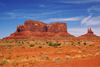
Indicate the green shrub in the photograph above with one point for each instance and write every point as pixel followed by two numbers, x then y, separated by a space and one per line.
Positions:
pixel 17 55
pixel 54 44
pixel 4 61
pixel 22 42
pixel 10 46
pixel 50 44
pixel 27 57
pixel 57 44
pixel 78 42
pixel 84 43
pixel 32 45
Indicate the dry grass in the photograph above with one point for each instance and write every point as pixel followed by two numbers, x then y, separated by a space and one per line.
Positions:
pixel 97 54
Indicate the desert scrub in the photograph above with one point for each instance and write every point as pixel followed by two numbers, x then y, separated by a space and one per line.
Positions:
pixel 4 61
pixel 79 47
pixel 17 55
pixel 9 57
pixel 45 57
pixel 27 57
pixel 97 54
pixel 40 46
pixel 22 42
pixel 84 43
pixel 57 60
pixel 10 46
pixel 76 56
pixel 50 44
pixel 54 44
pixel 78 42
pixel 40 53
pixel 32 45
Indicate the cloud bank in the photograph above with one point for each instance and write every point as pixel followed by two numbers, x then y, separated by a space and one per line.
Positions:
pixel 63 19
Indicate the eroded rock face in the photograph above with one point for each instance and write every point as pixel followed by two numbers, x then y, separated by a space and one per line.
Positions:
pixel 37 26
pixel 39 29
pixel 34 26
pixel 89 34
pixel 57 27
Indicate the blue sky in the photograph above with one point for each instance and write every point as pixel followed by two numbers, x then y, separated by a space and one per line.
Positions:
pixel 78 14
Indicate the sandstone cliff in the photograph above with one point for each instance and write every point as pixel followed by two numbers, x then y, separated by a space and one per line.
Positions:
pixel 32 29
pixel 89 34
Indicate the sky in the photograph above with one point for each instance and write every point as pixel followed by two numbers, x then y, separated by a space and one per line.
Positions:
pixel 77 14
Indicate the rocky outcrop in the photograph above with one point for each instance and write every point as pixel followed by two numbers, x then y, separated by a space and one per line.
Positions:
pixel 32 29
pixel 89 34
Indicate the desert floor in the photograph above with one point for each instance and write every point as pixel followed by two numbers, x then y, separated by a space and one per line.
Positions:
pixel 52 52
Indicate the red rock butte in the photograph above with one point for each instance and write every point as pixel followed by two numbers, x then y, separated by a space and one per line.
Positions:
pixel 32 29
pixel 89 34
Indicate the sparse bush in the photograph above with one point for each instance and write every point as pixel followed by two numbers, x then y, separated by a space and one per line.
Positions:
pixel 72 43
pixel 40 46
pixel 50 44
pixel 22 47
pixel 9 57
pixel 47 42
pixel 17 55
pixel 77 56
pixel 84 43
pixel 27 57
pixel 79 47
pixel 57 60
pixel 4 61
pixel 54 44
pixel 32 45
pixel 22 42
pixel 67 53
pixel 9 46
pixel 78 42
pixel 45 57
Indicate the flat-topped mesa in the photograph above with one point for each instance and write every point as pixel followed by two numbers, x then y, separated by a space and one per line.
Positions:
pixel 37 26
pixel 32 29
pixel 89 34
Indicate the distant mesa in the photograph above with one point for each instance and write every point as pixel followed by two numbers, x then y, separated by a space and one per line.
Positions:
pixel 33 28
pixel 89 34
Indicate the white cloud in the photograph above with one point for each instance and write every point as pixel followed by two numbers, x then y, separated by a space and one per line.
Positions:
pixel 63 19
pixel 81 31
pixel 95 8
pixel 20 15
pixel 85 19
pixel 91 20
pixel 79 1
